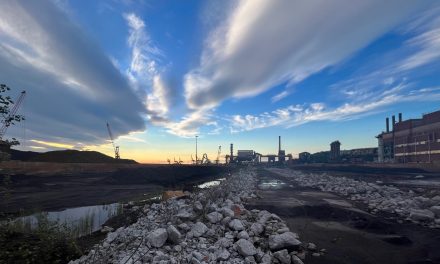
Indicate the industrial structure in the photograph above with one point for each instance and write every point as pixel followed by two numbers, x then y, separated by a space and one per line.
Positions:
pixel 412 140
pixel 251 156
pixel 335 151
pixel 115 148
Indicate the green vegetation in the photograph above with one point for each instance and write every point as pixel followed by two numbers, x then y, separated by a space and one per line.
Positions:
pixel 48 242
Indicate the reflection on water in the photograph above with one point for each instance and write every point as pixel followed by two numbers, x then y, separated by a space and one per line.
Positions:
pixel 210 183
pixel 271 184
pixel 80 220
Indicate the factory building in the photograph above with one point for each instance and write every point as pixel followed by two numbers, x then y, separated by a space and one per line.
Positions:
pixel 413 140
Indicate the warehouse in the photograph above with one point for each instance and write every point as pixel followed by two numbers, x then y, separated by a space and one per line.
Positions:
pixel 413 140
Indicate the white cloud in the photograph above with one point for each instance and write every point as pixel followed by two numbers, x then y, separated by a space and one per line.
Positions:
pixel 297 115
pixel 264 43
pixel 71 84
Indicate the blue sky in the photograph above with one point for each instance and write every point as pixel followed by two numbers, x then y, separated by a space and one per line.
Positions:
pixel 242 72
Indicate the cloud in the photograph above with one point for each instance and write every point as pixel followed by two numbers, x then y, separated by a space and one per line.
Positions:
pixel 265 43
pixel 73 88
pixel 297 115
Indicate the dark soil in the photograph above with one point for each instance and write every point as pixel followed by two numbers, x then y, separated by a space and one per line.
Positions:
pixel 349 234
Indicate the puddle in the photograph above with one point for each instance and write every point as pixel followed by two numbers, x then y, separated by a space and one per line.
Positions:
pixel 419 182
pixel 79 220
pixel 210 183
pixel 271 184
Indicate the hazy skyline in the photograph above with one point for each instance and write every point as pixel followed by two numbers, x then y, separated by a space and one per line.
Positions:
pixel 242 72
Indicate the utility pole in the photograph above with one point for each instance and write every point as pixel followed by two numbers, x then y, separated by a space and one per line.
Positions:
pixel 197 160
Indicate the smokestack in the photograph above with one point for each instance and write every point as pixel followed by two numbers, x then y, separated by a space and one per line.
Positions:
pixel 400 117
pixel 387 121
pixel 231 159
pixel 279 144
pixel 393 122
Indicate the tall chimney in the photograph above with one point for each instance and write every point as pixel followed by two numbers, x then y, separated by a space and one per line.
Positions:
pixel 279 144
pixel 393 122
pixel 231 158
pixel 400 117
pixel 387 121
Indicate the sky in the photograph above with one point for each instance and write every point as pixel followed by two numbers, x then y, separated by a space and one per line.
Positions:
pixel 161 72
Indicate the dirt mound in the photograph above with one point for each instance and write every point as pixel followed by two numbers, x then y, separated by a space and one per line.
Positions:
pixel 76 156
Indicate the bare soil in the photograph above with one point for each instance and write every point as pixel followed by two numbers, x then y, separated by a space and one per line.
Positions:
pixel 345 229
pixel 26 187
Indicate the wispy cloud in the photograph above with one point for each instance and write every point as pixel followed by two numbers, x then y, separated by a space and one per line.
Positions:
pixel 298 115
pixel 254 49
pixel 71 82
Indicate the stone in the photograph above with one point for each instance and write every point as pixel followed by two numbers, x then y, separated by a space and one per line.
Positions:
pixel 257 228
pixel 199 229
pixel 174 235
pixel 198 207
pixel 436 210
pixel 236 225
pixel 227 212
pixel 283 230
pixel 266 259
pixel 158 237
pixel 316 254
pixel 283 256
pixel 311 246
pixel 421 215
pixel 245 248
pixel 214 217
pixel 106 229
pixel 223 254
pixel 243 234
pixel 296 260
pixel 286 240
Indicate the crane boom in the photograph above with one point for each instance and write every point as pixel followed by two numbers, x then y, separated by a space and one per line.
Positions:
pixel 115 148
pixel 8 120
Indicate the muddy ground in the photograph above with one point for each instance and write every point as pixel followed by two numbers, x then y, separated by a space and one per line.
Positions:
pixel 22 191
pixel 345 229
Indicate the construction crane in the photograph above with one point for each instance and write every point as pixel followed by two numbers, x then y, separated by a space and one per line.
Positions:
pixel 115 148
pixel 217 161
pixel 8 120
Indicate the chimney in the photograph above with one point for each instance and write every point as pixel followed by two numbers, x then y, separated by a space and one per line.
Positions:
pixel 400 117
pixel 279 144
pixel 387 121
pixel 393 122
pixel 231 158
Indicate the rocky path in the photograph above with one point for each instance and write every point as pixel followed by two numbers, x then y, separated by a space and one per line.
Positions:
pixel 211 226
pixel 406 205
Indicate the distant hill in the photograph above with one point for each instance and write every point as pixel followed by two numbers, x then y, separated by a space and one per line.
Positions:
pixel 67 156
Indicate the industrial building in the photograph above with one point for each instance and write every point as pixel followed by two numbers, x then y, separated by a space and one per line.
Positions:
pixel 335 151
pixel 410 141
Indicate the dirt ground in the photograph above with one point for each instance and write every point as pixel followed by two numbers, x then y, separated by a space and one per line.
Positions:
pixel 348 232
pixel 29 187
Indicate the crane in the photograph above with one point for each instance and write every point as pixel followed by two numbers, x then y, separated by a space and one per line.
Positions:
pixel 8 120
pixel 115 148
pixel 217 161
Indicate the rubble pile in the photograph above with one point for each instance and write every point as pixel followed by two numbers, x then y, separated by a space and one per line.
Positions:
pixel 211 226
pixel 405 205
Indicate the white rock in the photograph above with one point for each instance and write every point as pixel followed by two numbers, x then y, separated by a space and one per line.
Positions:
pixel 421 215
pixel 227 212
pixel 243 234
pixel 158 237
pixel 283 256
pixel 222 254
pixel 296 260
pixel 214 217
pixel 285 240
pixel 257 228
pixel 245 248
pixel 436 210
pixel 173 234
pixel 236 225
pixel 199 229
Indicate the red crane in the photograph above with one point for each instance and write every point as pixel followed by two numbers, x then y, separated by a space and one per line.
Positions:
pixel 8 120
pixel 115 148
